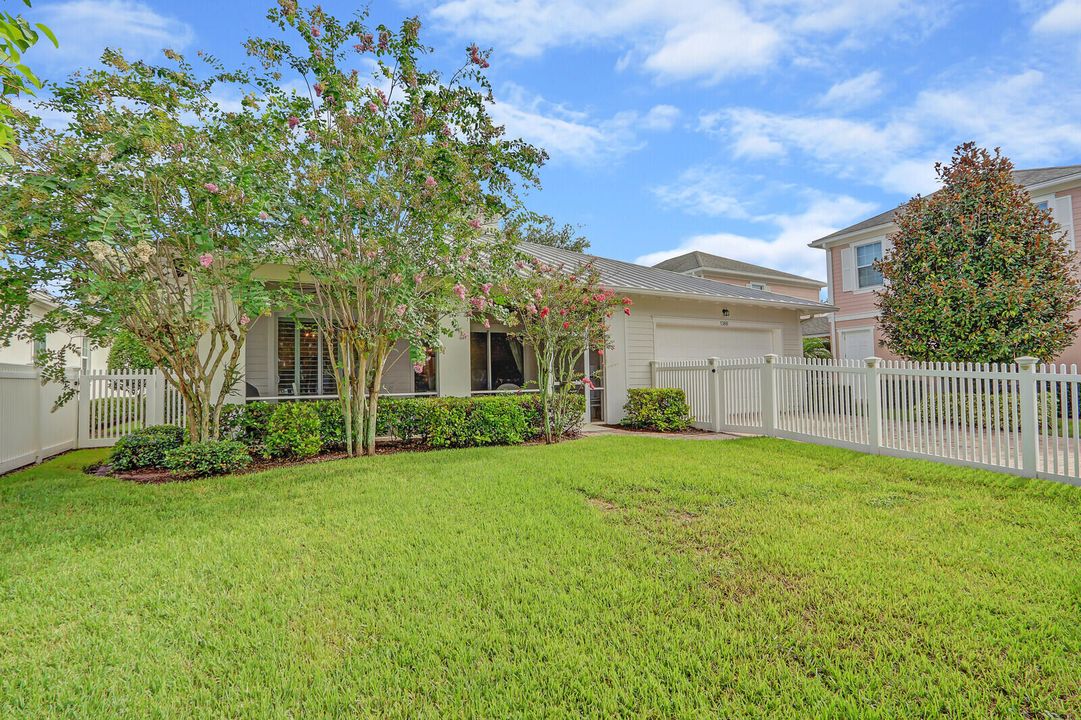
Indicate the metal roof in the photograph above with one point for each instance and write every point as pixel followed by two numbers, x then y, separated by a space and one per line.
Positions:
pixel 628 277
pixel 1024 178
pixel 698 260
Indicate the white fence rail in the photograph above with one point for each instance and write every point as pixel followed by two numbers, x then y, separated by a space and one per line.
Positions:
pixel 1020 418
pixel 113 404
pixel 29 428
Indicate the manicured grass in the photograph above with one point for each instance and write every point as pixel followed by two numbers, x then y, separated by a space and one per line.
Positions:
pixel 610 576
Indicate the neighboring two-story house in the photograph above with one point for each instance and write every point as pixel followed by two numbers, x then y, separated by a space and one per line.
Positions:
pixel 851 254
pixel 737 272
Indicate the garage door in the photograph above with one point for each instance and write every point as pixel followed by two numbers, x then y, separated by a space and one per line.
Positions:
pixel 674 341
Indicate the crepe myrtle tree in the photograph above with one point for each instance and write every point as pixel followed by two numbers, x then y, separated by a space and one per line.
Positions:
pixel 392 175
pixel 142 216
pixel 977 272
pixel 561 312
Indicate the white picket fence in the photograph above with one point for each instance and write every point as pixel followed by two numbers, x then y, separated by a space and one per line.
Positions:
pixel 29 428
pixel 107 407
pixel 113 404
pixel 1021 418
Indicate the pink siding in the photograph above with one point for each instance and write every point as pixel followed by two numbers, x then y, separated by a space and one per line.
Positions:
pixel 848 302
pixel 798 291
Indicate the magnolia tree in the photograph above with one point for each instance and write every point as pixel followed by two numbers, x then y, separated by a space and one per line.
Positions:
pixel 978 273
pixel 142 215
pixel 561 312
pixel 391 179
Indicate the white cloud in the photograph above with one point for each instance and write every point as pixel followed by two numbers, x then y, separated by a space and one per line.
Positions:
pixel 568 135
pixel 705 191
pixel 785 247
pixel 86 27
pixel 660 117
pixel 1030 116
pixel 1064 17
pixel 707 40
pixel 854 92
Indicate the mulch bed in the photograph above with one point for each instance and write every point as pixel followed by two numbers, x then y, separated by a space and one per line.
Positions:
pixel 688 431
pixel 156 476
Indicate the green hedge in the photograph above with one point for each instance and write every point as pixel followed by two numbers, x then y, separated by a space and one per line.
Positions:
pixel 145 448
pixel 661 409
pixel 203 459
pixel 294 430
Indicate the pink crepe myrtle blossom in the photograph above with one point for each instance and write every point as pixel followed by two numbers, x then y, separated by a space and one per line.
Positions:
pixel 475 223
pixel 264 216
pixel 487 323
pixel 588 382
pixel 178 147
pixel 318 89
pixel 293 121
pixel 206 260
pixel 478 303
pixel 418 278
pixel 244 319
pixel 401 310
pixel 396 279
pixel 566 325
pixel 600 351
pixel 429 182
pixel 460 291
pixel 531 309
pixel 212 188
pixel 305 221
pixel 476 57
pixel 373 108
pixel 544 311
pixel 418 367
pixel 538 294
pixel 626 311
pixel 486 288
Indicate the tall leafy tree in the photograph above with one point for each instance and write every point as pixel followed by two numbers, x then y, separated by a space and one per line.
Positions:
pixel 393 179
pixel 17 35
pixel 144 215
pixel 543 230
pixel 977 272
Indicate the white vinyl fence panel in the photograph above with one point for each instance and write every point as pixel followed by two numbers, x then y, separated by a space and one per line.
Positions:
pixel 113 404
pixel 30 429
pixel 1021 418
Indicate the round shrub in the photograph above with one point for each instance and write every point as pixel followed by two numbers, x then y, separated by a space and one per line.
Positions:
pixel 661 409
pixel 146 447
pixel 293 430
pixel 213 457
pixel 247 423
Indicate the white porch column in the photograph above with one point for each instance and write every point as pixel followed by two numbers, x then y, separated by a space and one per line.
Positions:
pixel 452 366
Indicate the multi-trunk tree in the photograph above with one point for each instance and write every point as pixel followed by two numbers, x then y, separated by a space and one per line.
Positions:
pixel 143 214
pixel 978 273
pixel 561 312
pixel 396 181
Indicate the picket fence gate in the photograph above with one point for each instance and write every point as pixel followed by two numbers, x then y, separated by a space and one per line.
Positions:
pixel 1022 418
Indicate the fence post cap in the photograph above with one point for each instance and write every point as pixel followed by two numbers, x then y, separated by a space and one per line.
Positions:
pixel 872 362
pixel 772 357
pixel 1026 362
pixel 713 361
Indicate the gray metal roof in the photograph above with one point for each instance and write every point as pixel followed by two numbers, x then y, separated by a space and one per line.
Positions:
pixel 698 260
pixel 1024 178
pixel 631 278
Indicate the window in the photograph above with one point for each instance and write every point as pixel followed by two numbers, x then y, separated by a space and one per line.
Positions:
pixel 756 285
pixel 866 273
pixel 39 349
pixel 424 381
pixel 1044 204
pixel 495 361
pixel 304 366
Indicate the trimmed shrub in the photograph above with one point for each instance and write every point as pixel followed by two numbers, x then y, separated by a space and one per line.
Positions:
pixel 145 448
pixel 661 409
pixel 405 418
pixel 331 424
pixel 475 422
pixel 247 423
pixel 213 457
pixel 293 430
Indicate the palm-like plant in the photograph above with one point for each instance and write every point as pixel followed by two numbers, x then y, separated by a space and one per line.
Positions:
pixel 816 348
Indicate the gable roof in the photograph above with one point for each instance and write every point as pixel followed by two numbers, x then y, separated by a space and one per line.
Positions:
pixel 1024 178
pixel 631 278
pixel 697 260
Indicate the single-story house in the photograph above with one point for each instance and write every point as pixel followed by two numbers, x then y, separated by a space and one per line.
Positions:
pixel 674 317
pixel 851 253
pixel 737 272
pixel 24 352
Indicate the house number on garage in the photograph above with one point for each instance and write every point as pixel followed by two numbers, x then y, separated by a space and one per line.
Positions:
pixel 724 323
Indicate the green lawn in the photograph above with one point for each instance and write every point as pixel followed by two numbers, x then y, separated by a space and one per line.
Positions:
pixel 610 576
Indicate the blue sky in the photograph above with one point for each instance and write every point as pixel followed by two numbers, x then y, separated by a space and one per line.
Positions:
pixel 742 128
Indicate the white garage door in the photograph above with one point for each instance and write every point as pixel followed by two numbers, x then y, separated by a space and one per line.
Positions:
pixel 674 341
pixel 857 344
